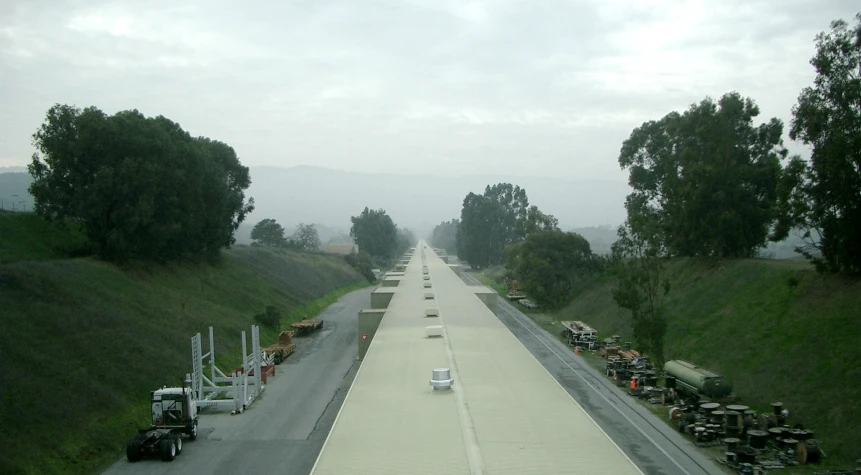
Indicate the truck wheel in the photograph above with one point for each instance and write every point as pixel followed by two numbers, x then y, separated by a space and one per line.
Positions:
pixel 192 434
pixel 133 451
pixel 168 449
pixel 178 443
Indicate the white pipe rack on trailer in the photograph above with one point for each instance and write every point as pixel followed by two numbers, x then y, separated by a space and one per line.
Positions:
pixel 241 387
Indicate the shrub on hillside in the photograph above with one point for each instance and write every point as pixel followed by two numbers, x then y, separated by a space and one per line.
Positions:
pixel 270 318
pixel 363 263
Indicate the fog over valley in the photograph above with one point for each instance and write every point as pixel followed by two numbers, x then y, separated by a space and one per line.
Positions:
pixel 308 194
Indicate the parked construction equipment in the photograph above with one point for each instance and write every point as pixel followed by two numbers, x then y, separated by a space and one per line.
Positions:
pixel 580 335
pixel 306 326
pixel 281 350
pixel 174 413
pixel 235 391
pixel 515 292
pixel 697 380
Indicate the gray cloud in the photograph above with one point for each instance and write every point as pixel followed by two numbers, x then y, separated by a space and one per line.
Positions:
pixel 542 87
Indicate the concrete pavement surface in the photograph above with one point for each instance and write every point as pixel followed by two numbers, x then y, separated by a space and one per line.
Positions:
pixel 650 443
pixel 284 430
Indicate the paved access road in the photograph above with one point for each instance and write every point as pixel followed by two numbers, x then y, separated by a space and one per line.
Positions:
pixel 648 441
pixel 284 430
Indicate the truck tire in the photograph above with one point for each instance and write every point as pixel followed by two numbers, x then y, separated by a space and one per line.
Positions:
pixel 168 449
pixel 192 432
pixel 178 443
pixel 133 451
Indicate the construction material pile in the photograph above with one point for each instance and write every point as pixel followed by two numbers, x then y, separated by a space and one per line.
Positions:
pixel 306 326
pixel 580 335
pixel 754 443
pixel 281 350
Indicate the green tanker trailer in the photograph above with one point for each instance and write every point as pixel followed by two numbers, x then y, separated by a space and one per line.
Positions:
pixel 696 380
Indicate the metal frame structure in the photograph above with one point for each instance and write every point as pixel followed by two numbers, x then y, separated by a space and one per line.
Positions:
pixel 241 387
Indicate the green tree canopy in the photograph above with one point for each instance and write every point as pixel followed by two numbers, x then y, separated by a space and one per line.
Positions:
pixel 642 286
pixel 708 177
pixel 268 232
pixel 823 197
pixel 444 236
pixel 142 187
pixel 406 240
pixel 306 238
pixel 494 220
pixel 549 263
pixel 375 232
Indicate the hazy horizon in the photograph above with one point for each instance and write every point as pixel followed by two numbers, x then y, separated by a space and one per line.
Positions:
pixel 404 86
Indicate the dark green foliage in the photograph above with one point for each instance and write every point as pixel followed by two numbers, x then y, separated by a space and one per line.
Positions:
pixel 271 318
pixel 707 177
pixel 142 187
pixel 375 232
pixel 406 240
pixel 305 239
pixel 822 198
pixel 363 263
pixel 444 236
pixel 492 221
pixel 268 233
pixel 27 237
pixel 642 287
pixel 549 263
pixel 535 222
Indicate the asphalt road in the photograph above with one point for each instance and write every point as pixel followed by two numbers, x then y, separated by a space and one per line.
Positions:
pixel 648 441
pixel 284 430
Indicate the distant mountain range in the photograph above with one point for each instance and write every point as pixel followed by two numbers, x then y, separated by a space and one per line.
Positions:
pixel 13 191
pixel 419 202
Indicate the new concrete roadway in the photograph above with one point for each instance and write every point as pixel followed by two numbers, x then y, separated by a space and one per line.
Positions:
pixel 650 443
pixel 284 430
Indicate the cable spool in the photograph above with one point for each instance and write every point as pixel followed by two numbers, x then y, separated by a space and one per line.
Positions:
pixel 775 433
pixel 757 438
pixel 717 417
pixel 767 421
pixel 807 452
pixel 732 443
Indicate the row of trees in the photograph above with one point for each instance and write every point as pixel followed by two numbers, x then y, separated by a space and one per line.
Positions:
pixel 708 183
pixel 268 232
pixel 141 188
pixel 499 226
pixel 492 221
pixel 444 236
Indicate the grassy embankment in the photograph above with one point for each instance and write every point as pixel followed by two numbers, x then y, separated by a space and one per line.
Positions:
pixel 83 342
pixel 777 329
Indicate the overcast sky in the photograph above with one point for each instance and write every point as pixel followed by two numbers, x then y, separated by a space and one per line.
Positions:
pixel 536 87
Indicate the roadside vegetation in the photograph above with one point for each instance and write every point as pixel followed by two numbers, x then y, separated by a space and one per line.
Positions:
pixel 84 341
pixel 711 189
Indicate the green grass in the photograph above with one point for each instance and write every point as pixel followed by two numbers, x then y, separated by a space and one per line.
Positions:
pixel 83 342
pixel 777 329
pixel 25 236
